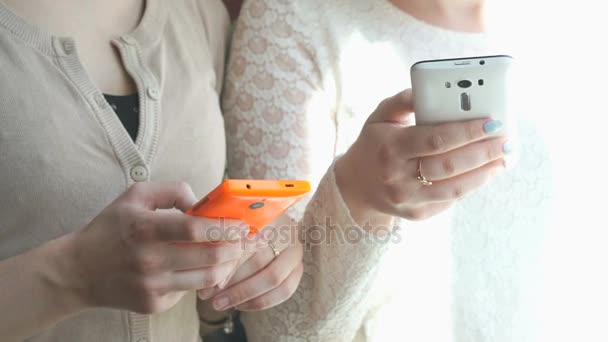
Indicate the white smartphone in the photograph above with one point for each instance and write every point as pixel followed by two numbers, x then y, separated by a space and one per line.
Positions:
pixel 461 89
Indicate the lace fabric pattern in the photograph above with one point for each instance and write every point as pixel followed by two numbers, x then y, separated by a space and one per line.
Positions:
pixel 278 114
pixel 302 78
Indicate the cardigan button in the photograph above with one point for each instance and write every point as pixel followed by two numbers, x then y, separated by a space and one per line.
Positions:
pixel 68 47
pixel 153 93
pixel 139 173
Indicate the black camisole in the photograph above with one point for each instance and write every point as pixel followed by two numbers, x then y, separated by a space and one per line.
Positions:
pixel 127 109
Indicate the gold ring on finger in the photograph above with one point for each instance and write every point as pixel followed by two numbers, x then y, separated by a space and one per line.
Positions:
pixel 275 251
pixel 420 177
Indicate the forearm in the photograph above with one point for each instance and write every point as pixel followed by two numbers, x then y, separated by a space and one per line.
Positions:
pixel 366 217
pixel 333 297
pixel 33 293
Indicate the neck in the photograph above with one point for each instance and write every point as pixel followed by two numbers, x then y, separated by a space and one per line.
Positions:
pixel 457 15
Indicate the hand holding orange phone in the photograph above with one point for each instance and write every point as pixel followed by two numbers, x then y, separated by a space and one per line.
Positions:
pixel 255 202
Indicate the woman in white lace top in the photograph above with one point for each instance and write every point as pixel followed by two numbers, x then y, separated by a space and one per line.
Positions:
pixel 303 79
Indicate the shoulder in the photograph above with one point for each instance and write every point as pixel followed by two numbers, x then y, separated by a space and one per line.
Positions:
pixel 325 23
pixel 309 24
pixel 209 15
pixel 213 11
pixel 295 10
pixel 203 28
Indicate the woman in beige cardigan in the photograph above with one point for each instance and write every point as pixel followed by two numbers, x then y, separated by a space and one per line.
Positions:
pixel 114 104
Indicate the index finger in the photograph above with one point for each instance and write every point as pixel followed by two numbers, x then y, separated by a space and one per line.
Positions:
pixel 431 140
pixel 162 195
pixel 396 109
pixel 179 227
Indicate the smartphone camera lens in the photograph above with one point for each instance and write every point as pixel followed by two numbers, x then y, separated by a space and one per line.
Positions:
pixel 256 205
pixel 464 84
pixel 482 62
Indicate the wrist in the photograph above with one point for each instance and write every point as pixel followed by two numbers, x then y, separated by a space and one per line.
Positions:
pixel 363 213
pixel 58 274
pixel 344 174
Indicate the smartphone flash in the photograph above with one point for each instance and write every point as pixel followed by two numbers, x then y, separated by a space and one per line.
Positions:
pixel 465 102
pixel 448 85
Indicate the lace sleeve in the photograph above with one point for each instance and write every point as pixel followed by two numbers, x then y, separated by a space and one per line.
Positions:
pixel 277 109
pixel 278 105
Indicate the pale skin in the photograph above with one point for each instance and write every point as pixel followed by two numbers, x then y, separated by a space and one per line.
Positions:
pixel 130 256
pixel 455 15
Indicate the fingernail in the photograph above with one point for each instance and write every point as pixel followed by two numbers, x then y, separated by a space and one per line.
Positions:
pixel 204 294
pixel 261 245
pixel 492 126
pixel 507 147
pixel 224 283
pixel 221 303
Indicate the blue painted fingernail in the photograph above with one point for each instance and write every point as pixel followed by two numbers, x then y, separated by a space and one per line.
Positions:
pixel 492 126
pixel 507 147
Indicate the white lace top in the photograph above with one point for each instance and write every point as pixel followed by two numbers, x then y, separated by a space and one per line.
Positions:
pixel 303 77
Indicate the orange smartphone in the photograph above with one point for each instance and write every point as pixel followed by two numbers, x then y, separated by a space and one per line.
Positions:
pixel 255 202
